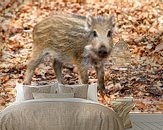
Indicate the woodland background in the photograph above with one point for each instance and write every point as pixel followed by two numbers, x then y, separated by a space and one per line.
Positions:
pixel 140 30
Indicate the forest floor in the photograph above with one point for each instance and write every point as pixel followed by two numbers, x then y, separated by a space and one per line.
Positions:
pixel 140 26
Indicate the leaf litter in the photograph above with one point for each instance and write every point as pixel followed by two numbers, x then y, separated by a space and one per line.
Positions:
pixel 134 69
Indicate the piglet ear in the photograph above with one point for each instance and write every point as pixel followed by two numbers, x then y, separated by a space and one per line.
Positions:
pixel 112 20
pixel 89 21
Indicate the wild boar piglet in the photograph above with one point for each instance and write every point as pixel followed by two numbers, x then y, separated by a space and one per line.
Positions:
pixel 79 40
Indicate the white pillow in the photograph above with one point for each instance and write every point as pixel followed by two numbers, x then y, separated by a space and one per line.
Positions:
pixel 53 95
pixel 19 94
pixel 92 92
pixel 20 90
pixel 79 90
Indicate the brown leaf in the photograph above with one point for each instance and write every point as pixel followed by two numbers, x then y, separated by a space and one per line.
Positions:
pixel 5 78
pixel 159 47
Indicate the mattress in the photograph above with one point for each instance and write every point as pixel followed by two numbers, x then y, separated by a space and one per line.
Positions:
pixel 60 114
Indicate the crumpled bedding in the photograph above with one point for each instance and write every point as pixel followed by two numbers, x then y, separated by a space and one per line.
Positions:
pixel 59 114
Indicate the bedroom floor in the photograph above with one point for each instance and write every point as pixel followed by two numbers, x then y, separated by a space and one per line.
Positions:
pixel 146 121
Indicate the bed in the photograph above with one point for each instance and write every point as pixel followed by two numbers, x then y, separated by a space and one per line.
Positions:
pixel 63 113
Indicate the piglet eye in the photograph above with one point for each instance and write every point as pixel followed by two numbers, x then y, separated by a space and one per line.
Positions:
pixel 94 33
pixel 109 34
